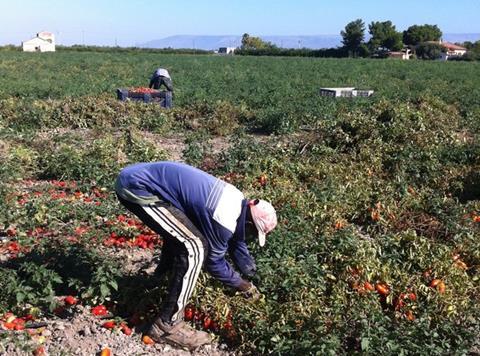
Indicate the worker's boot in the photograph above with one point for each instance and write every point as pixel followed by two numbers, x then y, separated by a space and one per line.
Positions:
pixel 180 334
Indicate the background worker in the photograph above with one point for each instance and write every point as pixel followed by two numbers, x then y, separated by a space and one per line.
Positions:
pixel 200 218
pixel 159 77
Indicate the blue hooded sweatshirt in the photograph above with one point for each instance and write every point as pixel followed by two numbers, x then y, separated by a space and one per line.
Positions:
pixel 215 207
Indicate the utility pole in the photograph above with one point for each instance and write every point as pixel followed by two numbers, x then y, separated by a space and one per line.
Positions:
pixel 83 37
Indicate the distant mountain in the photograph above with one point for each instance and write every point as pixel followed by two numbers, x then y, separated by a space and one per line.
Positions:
pixel 214 42
pixel 313 42
pixel 461 37
pixel 196 42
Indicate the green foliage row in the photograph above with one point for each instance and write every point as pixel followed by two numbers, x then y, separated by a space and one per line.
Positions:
pixel 85 156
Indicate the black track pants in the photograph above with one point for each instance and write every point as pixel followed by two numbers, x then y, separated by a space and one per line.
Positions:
pixel 184 247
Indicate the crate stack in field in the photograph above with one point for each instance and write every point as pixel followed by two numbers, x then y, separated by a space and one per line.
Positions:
pixel 146 95
pixel 345 92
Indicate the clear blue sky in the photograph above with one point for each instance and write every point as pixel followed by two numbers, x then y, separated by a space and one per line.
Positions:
pixel 129 22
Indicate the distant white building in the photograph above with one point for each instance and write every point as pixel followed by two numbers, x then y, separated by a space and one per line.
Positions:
pixel 226 50
pixel 44 42
pixel 451 50
pixel 404 54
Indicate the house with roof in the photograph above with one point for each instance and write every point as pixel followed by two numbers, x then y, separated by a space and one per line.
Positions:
pixel 450 50
pixel 43 42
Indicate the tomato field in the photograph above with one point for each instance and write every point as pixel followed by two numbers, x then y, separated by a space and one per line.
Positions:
pixel 377 249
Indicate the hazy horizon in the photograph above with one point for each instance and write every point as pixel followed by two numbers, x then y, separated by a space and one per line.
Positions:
pixel 103 22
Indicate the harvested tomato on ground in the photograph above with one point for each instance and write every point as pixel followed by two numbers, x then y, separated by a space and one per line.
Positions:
pixel 189 313
pixel 147 340
pixel 207 323
pixel 70 300
pixel 125 329
pixel 262 180
pixel 106 352
pixel 99 310
pixel 39 351
pixel 109 324
pixel 409 315
pixel 382 289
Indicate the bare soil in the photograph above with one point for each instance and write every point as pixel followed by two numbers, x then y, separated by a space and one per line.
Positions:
pixel 79 332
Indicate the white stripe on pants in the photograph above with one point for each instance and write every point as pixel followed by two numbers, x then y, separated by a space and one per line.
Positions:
pixel 192 243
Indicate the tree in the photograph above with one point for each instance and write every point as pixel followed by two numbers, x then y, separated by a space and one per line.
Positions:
pixel 473 50
pixel 417 34
pixel 353 36
pixel 429 51
pixel 385 36
pixel 254 43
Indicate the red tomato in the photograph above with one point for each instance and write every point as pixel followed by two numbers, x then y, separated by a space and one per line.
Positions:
pixel 262 180
pixel 382 289
pixel 126 330
pixel 398 303
pixel 207 323
pixel 368 286
pixel 188 313
pixel 441 287
pixel 19 327
pixel 70 300
pixel 147 340
pixel 28 317
pixel 9 326
pixel 99 310
pixel 106 352
pixel 228 325
pixel 410 315
pixel 109 324
pixel 39 351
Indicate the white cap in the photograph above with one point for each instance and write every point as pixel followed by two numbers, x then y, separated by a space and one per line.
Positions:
pixel 264 217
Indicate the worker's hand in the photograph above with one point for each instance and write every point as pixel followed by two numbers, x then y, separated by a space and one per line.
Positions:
pixel 249 291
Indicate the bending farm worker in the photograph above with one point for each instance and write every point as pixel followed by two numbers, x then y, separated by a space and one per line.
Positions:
pixel 161 77
pixel 200 218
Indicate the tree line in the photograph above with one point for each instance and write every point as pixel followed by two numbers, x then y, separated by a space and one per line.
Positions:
pixel 384 38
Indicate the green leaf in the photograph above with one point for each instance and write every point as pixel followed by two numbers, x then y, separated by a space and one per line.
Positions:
pixel 114 284
pixel 104 290
pixel 20 297
pixel 365 343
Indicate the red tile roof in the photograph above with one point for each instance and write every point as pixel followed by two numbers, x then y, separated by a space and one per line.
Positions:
pixel 452 46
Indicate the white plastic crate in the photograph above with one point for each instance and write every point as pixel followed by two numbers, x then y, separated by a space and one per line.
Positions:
pixel 345 92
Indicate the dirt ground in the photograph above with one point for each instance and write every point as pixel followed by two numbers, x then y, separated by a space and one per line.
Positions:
pixel 78 332
pixel 82 334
